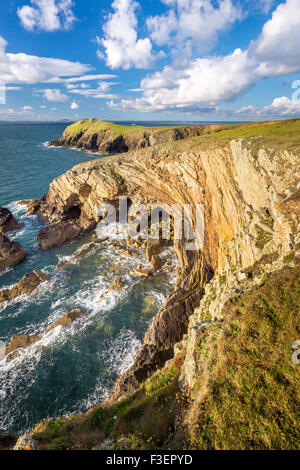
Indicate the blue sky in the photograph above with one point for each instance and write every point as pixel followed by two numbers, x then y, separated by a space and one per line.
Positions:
pixel 205 60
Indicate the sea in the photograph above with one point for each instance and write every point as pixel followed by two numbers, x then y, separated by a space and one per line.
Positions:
pixel 70 369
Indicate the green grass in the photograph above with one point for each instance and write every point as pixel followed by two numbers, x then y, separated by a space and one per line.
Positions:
pixel 273 134
pixel 248 392
pixel 93 126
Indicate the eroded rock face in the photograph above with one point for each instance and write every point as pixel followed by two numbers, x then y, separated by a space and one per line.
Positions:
pixel 11 253
pixel 28 284
pixel 250 212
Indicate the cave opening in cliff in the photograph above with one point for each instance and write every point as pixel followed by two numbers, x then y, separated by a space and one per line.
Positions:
pixel 73 212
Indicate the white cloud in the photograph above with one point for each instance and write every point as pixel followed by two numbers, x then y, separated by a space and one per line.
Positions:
pixel 29 69
pixel 74 105
pixel 277 48
pixel 192 24
pixel 27 108
pixel 206 82
pixel 281 106
pixel 122 48
pixel 53 95
pixel 47 15
pixel 84 78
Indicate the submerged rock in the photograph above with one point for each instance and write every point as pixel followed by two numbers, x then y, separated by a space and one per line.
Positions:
pixel 86 250
pixel 11 253
pixel 28 284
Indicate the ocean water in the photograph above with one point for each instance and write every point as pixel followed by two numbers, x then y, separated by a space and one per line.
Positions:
pixel 70 369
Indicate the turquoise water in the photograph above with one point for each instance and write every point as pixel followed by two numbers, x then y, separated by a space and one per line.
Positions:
pixel 71 369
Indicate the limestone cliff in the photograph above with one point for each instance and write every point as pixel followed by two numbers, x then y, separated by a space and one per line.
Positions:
pixel 251 195
pixel 106 137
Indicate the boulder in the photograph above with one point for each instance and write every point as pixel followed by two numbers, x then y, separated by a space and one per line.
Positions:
pixel 28 284
pixel 141 272
pixel 7 221
pixel 11 253
pixel 32 205
pixel 153 247
pixel 117 284
pixel 57 234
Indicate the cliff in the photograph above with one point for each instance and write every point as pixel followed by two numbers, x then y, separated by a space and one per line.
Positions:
pixel 215 368
pixel 105 137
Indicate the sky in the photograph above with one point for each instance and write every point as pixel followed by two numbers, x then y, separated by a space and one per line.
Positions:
pixel 139 60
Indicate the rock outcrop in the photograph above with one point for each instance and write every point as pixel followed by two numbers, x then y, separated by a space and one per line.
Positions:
pixel 28 284
pixel 7 221
pixel 106 137
pixel 11 253
pixel 21 342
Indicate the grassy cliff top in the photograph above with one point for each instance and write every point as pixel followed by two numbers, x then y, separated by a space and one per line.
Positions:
pixel 275 134
pixel 94 126
pixel 279 134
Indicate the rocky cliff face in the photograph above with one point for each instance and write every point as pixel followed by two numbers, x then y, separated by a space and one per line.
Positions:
pixel 103 137
pixel 251 201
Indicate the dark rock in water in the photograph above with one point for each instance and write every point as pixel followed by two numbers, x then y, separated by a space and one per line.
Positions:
pixel 28 284
pixel 11 253
pixel 7 221
pixel 7 441
pixel 57 234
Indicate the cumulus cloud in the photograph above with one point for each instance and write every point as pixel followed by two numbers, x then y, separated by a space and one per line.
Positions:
pixel 206 82
pixel 29 69
pixel 277 48
pixel 74 105
pixel 120 44
pixel 53 95
pixel 280 107
pixel 47 15
pixel 192 23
